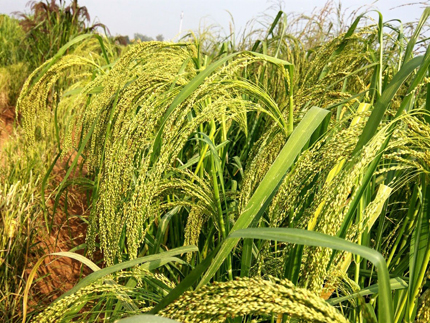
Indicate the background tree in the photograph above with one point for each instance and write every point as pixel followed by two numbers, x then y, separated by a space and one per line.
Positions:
pixel 141 37
pixel 50 25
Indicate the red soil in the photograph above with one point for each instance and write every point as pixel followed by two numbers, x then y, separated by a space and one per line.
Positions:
pixel 57 274
pixel 7 115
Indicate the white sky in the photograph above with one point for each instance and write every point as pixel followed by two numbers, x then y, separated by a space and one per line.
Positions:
pixel 153 17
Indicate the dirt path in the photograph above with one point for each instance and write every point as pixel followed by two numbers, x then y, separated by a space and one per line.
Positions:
pixel 57 274
pixel 7 115
pixel 68 232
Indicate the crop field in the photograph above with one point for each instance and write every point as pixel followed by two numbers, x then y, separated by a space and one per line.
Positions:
pixel 279 175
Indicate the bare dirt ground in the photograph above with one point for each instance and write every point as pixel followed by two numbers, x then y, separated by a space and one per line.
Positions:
pixel 57 274
pixel 68 231
pixel 7 116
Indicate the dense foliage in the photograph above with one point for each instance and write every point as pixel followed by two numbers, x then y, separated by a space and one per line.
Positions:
pixel 281 179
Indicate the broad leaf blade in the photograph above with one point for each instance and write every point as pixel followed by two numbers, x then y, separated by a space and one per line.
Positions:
pixel 395 283
pixel 270 184
pixel 124 265
pixel 318 239
pixel 381 105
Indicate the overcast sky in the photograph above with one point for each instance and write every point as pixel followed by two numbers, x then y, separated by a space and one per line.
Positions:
pixel 153 17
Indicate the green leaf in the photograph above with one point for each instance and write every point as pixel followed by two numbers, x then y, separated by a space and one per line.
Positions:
pixel 371 128
pixel 417 81
pixel 395 283
pixel 188 281
pixel 414 38
pixel 342 45
pixel 419 254
pixel 270 184
pixel 195 159
pixel 78 257
pixel 163 227
pixel 318 239
pixel 158 258
pixel 381 105
pixel 194 84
